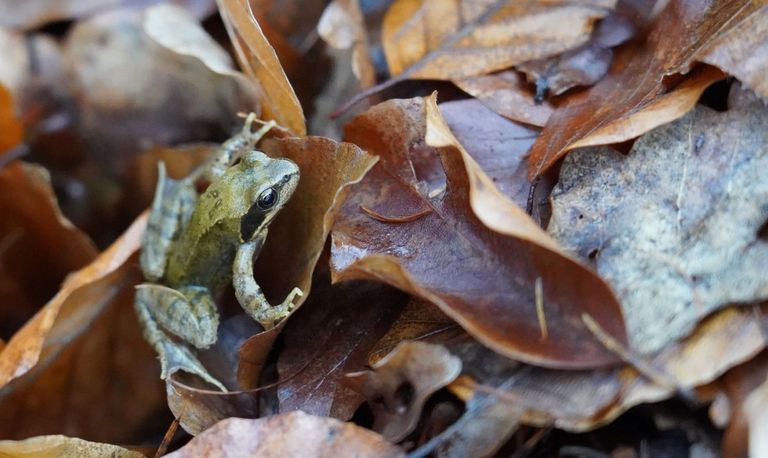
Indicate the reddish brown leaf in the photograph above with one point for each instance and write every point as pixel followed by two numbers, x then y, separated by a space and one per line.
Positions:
pixel 473 252
pixel 258 59
pixel 743 50
pixel 32 223
pixel 401 382
pixel 289 435
pixel 454 39
pixel 637 75
pixel 9 126
pixel 330 336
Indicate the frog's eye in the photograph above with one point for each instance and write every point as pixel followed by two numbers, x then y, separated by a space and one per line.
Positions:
pixel 267 199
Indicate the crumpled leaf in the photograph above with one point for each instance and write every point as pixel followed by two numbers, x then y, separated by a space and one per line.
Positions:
pixel 10 128
pixel 508 94
pixel 330 336
pixel 62 446
pixel 258 60
pixel 127 84
pixel 743 51
pixel 294 434
pixel 401 382
pixel 381 232
pixel 454 39
pixel 32 223
pixel 673 226
pixel 32 14
pixel 636 77
pixel 82 361
pixel 343 27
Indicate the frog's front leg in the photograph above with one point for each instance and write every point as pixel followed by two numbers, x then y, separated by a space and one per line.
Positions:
pixel 249 293
pixel 173 356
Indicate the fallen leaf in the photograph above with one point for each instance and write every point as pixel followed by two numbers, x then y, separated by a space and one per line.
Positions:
pixel 636 78
pixel 454 39
pixel 81 362
pixel 294 434
pixel 673 226
pixel 32 223
pixel 127 84
pixel 742 51
pixel 509 95
pixel 342 26
pixel 62 446
pixel 400 384
pixel 258 59
pixel 330 336
pixel 478 244
pixel 10 126
pixel 740 384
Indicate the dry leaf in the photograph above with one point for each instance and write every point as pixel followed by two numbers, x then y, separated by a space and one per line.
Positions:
pixel 743 50
pixel 467 248
pixel 673 227
pixel 10 127
pixel 127 84
pixel 451 39
pixel 289 435
pixel 401 382
pixel 507 94
pixel 636 78
pixel 343 27
pixel 258 59
pixel 330 336
pixel 740 384
pixel 32 223
pixel 62 446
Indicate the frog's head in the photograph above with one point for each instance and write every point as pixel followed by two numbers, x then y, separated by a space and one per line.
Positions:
pixel 269 184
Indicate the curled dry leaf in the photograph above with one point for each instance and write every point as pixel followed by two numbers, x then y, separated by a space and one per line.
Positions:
pixel 81 361
pixel 290 435
pixel 343 27
pixel 11 131
pixel 465 247
pixel 743 51
pixel 636 78
pixel 125 74
pixel 33 14
pixel 330 336
pixel 400 384
pixel 49 446
pixel 32 223
pixel 509 95
pixel 673 227
pixel 258 59
pixel 451 39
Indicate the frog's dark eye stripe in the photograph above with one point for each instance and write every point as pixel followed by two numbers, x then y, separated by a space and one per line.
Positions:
pixel 251 222
pixel 267 199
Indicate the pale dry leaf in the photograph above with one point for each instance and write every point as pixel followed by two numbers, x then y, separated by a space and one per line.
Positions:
pixel 62 447
pixel 674 226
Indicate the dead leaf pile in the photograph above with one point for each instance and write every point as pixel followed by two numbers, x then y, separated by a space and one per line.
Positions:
pixel 521 228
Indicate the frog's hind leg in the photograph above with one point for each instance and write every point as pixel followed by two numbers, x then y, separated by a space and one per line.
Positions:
pixel 173 356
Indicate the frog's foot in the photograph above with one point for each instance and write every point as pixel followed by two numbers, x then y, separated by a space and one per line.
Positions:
pixel 189 312
pixel 269 316
pixel 173 356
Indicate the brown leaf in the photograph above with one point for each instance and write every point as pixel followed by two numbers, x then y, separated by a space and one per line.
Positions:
pixel 50 446
pixel 330 336
pixel 32 223
pixel 507 94
pixel 9 126
pixel 343 27
pixel 81 362
pixel 454 39
pixel 258 59
pixel 745 387
pixel 467 248
pixel 401 382
pixel 743 50
pixel 674 226
pixel 636 78
pixel 294 434
pixel 126 83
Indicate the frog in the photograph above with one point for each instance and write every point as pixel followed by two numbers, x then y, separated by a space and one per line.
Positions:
pixel 196 243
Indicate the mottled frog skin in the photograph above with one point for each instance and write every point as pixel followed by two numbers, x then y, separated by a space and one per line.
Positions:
pixel 196 244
